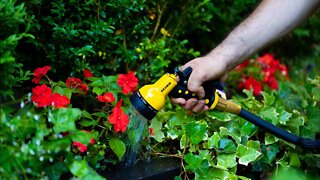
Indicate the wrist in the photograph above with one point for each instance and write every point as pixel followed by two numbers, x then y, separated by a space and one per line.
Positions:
pixel 227 53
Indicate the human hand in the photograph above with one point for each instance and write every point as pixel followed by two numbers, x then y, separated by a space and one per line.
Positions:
pixel 203 69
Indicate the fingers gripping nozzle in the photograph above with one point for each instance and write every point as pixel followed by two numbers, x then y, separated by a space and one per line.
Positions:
pixel 210 87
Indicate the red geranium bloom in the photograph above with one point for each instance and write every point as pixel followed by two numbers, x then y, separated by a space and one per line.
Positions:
pixel 60 101
pixel 266 59
pixel 82 148
pixel 251 82
pixel 39 73
pixel 42 95
pixel 118 118
pixel 87 73
pixel 106 97
pixel 76 83
pixel 242 65
pixel 128 82
pixel 272 82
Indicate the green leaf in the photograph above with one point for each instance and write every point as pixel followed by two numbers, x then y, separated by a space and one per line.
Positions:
pixel 268 100
pixel 270 114
pixel 86 114
pixel 64 119
pixel 193 160
pixel 248 128
pixel 82 170
pixel 62 91
pixel 294 160
pixel 227 160
pixel 213 141
pixel 87 123
pixel 157 126
pixel 270 139
pixel 100 114
pixel 99 90
pixel 82 136
pixel 226 146
pixel 218 115
pixel 118 147
pixel 196 132
pixel 269 152
pixel 56 170
pixel 284 116
pixel 247 154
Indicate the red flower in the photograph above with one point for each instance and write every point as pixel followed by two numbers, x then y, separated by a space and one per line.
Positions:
pixel 266 59
pixel 242 65
pixel 151 131
pixel 272 82
pixel 87 73
pixel 81 147
pixel 42 95
pixel 39 73
pixel 106 97
pixel 118 118
pixel 60 101
pixel 76 83
pixel 251 82
pixel 128 82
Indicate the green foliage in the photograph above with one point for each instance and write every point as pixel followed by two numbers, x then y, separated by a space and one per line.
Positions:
pixel 12 16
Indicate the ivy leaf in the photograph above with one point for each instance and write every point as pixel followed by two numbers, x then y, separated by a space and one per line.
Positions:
pixel 218 173
pixel 64 119
pixel 293 102
pixel 248 128
pixel 196 132
pixel 157 126
pixel 234 133
pixel 270 139
pixel 118 147
pixel 284 116
pixel 247 154
pixel 269 152
pixel 270 114
pixel 226 146
pixel 294 160
pixel 193 160
pixel 218 115
pixel 213 141
pixel 268 100
pixel 227 160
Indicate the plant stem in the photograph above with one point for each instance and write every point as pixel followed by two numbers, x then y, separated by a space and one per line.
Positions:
pixel 160 12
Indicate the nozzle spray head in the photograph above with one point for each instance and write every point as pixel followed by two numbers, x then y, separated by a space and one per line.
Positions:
pixel 149 99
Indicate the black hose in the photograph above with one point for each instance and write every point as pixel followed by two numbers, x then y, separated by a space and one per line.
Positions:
pixel 305 143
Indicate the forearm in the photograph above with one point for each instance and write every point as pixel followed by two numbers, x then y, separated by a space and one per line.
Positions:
pixel 271 20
